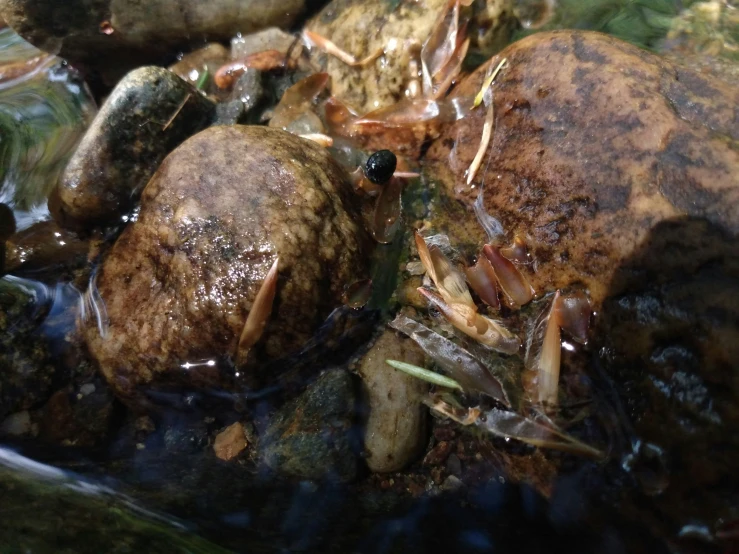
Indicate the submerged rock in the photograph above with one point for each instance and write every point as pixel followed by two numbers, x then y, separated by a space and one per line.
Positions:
pixel 150 112
pixel 268 39
pixel 595 142
pixel 399 28
pixel 230 442
pixel 113 36
pixel 44 248
pixel 669 340
pixel 27 373
pixel 180 281
pixel 396 422
pixel 309 438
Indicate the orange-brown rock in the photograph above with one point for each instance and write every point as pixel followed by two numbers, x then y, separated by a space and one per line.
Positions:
pixel 177 286
pixel 595 142
pixel 230 442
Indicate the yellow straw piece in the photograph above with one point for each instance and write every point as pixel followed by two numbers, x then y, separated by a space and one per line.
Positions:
pixel 487 83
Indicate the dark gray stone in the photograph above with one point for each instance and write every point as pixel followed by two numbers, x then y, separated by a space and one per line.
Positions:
pixel 249 89
pixel 147 115
pixel 230 113
pixel 309 438
pixel 26 370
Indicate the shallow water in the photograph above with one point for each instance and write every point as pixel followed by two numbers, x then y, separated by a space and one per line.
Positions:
pixel 44 109
pixel 158 490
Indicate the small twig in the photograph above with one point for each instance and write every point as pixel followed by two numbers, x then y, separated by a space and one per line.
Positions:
pixel 486 84
pixel 176 113
pixel 331 48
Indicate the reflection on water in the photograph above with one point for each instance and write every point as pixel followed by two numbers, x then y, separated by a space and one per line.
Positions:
pixel 44 109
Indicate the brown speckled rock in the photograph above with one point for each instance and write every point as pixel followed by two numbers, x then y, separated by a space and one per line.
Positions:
pixel 595 142
pixel 361 27
pixel 396 422
pixel 180 281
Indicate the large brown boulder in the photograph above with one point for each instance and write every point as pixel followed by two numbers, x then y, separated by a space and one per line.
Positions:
pixel 621 171
pixel 179 283
pixel 595 142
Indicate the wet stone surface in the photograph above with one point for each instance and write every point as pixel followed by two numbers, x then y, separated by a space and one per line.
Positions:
pixel 595 142
pixel 396 421
pixel 180 281
pixel 362 27
pixel 311 437
pixel 149 113
pixel 26 369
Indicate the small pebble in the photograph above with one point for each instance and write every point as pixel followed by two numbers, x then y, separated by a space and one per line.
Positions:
pixel 16 424
pixel 453 465
pixel 145 424
pixel 438 454
pixel 444 433
pixel 452 484
pixel 87 388
pixel 230 442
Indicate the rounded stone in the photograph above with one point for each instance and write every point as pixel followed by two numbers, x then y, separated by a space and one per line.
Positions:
pixel 595 142
pixel 395 430
pixel 399 27
pixel 148 114
pixel 180 281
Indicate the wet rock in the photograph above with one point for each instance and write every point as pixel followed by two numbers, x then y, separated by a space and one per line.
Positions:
pixel 595 142
pixel 180 281
pixel 619 169
pixel 309 437
pixel 44 247
pixel 26 369
pixel 268 39
pixel 669 341
pixel 230 113
pixel 73 418
pixel 16 425
pixel 185 437
pixel 249 89
pixel 438 455
pixel 362 27
pixel 150 112
pixel 113 36
pixel 230 442
pixel 246 100
pixel 396 423
pixel 199 67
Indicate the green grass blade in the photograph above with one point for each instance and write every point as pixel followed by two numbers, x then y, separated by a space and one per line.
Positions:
pixel 424 374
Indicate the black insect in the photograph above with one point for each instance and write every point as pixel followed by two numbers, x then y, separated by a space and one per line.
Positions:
pixel 381 166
